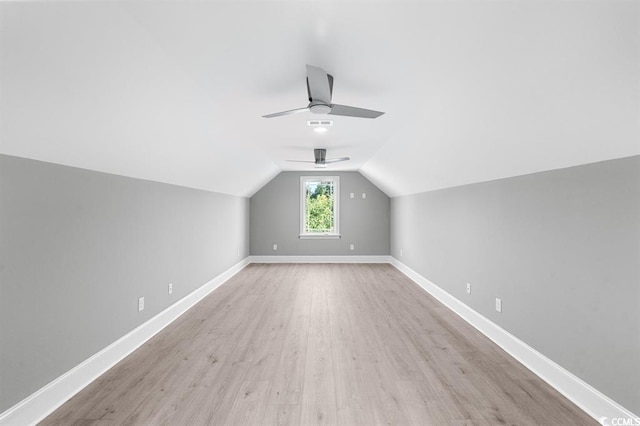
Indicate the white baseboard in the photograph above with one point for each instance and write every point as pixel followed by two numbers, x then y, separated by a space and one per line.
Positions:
pixel 589 399
pixel 43 402
pixel 320 259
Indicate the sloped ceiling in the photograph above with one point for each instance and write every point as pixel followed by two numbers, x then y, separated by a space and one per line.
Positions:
pixel 174 91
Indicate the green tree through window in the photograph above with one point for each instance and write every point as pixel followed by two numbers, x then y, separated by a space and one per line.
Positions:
pixel 319 206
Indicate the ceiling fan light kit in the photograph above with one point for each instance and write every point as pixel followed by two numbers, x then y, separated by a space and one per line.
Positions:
pixel 320 92
pixel 320 109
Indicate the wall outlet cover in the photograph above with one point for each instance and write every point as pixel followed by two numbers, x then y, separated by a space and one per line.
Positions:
pixel 498 305
pixel 141 304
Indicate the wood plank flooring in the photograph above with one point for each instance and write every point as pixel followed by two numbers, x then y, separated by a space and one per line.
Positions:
pixel 307 344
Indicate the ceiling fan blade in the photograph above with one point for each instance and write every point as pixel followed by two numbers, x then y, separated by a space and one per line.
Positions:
pixel 300 161
pixel 350 111
pixel 292 111
pixel 319 84
pixel 337 160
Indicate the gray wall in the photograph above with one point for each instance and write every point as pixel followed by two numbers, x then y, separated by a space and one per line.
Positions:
pixel 275 218
pixel 560 248
pixel 77 249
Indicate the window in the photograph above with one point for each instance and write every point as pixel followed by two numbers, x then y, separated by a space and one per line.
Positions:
pixel 319 214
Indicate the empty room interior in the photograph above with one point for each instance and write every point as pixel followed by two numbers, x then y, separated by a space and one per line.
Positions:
pixel 320 212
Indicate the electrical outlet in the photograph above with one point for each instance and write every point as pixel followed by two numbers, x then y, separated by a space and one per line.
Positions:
pixel 498 305
pixel 141 304
pixel 400 252
pixel 275 247
pixel 352 246
pixel 170 288
pixel 364 195
pixel 352 195
pixel 468 288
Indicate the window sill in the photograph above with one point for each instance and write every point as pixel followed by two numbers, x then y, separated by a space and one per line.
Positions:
pixel 319 236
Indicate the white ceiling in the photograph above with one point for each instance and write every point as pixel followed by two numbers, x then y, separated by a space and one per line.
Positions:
pixel 174 91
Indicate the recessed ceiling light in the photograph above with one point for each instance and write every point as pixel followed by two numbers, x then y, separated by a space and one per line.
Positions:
pixel 319 129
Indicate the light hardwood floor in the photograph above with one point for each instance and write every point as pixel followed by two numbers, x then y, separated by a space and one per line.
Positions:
pixel 303 344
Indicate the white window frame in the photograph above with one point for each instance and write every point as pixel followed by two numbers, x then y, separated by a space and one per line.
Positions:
pixel 336 207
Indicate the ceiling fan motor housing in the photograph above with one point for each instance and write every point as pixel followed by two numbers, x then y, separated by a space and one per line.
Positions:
pixel 320 155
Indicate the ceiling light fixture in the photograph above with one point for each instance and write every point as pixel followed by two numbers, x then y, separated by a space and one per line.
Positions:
pixel 320 129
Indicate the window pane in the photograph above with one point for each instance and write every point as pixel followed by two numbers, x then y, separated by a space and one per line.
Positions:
pixel 319 203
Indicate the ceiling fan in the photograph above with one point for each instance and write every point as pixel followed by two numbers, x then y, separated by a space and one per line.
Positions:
pixel 321 159
pixel 320 90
